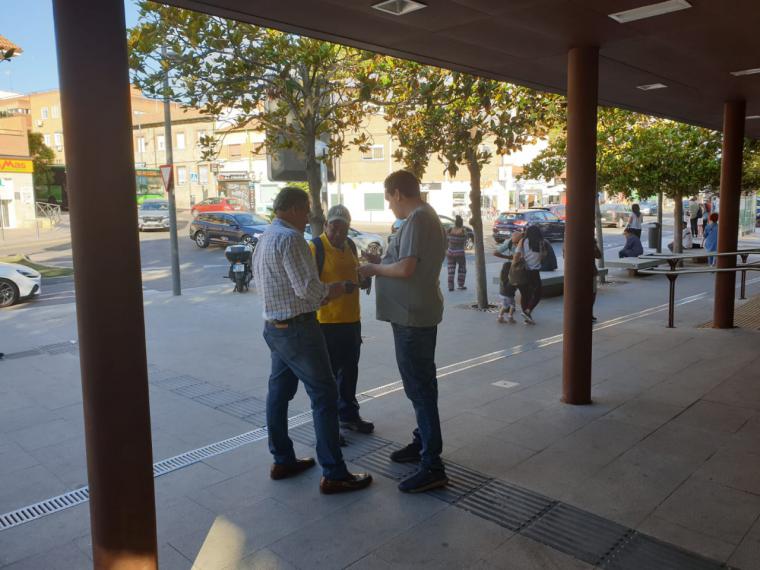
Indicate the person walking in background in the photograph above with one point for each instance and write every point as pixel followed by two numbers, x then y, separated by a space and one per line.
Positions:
pixel 340 319
pixel 706 211
pixel 286 278
pixel 408 295
pixel 711 237
pixel 632 247
pixel 694 215
pixel 457 237
pixel 634 222
pixel 507 291
pixel 595 271
pixel 531 250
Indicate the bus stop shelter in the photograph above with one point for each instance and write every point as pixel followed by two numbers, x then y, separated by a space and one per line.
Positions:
pixel 694 61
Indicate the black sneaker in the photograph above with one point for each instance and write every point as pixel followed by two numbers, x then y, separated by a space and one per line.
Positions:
pixel 408 454
pixel 358 425
pixel 423 480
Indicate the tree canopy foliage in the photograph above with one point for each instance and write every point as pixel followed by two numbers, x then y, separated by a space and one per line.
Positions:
pixel 460 118
pixel 298 89
pixel 42 158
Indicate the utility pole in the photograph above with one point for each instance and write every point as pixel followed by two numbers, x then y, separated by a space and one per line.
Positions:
pixel 176 287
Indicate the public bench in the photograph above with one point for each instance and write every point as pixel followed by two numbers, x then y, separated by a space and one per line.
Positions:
pixel 553 282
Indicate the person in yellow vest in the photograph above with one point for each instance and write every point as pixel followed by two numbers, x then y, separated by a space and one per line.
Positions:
pixel 340 319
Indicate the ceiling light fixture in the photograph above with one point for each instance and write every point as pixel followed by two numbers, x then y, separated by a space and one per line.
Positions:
pixel 651 86
pixel 752 71
pixel 752 117
pixel 399 7
pixel 650 11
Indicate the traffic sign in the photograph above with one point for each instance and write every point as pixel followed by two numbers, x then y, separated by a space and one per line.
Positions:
pixel 167 176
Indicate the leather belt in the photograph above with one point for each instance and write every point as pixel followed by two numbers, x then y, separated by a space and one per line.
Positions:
pixel 303 317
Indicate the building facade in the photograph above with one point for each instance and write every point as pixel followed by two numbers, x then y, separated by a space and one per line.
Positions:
pixel 17 206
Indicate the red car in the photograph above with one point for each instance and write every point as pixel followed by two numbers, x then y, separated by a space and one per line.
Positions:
pixel 220 204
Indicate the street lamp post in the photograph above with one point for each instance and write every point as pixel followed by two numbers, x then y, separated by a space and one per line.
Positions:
pixel 176 287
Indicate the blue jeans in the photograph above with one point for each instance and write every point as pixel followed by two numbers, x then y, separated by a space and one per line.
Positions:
pixel 299 351
pixel 415 356
pixel 344 344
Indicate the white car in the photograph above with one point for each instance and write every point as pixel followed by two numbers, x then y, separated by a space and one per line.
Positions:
pixel 365 242
pixel 16 282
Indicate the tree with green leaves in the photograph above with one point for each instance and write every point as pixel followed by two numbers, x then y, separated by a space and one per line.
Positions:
pixel 452 114
pixel 642 155
pixel 42 159
pixel 297 89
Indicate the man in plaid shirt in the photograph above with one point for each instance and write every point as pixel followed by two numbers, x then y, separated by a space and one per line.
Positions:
pixel 286 277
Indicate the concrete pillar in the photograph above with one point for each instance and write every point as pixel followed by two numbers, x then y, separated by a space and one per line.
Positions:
pixel 95 103
pixel 728 223
pixel 582 89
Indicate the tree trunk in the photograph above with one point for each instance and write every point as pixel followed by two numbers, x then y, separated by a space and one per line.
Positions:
pixel 677 223
pixel 659 221
pixel 481 286
pixel 599 234
pixel 314 178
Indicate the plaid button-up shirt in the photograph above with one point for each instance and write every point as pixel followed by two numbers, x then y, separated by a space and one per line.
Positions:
pixel 285 273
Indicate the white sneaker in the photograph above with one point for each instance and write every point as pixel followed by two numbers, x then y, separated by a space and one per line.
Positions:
pixel 527 318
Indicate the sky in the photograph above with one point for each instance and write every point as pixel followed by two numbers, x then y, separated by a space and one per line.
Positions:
pixel 29 24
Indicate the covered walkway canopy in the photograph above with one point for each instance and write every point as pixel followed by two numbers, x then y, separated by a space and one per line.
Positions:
pixel 695 61
pixel 694 51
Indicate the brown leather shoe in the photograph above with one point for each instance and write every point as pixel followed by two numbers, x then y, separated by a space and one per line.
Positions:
pixel 285 470
pixel 354 482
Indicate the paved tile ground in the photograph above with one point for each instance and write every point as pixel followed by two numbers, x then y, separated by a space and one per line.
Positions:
pixel 669 447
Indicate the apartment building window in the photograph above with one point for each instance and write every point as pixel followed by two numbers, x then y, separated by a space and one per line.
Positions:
pixel 44 113
pixel 180 141
pixel 203 174
pixel 375 153
pixel 235 150
pixel 56 112
pixel 201 134
pixel 46 138
pixel 160 143
pixel 58 138
pixel 181 175
pixel 140 144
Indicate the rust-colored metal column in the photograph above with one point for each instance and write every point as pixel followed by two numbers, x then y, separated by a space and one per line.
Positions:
pixel 728 223
pixel 582 89
pixel 96 111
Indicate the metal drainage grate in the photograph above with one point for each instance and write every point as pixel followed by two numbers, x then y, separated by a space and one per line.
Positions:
pixel 304 435
pixel 360 445
pixel 79 496
pixel 380 462
pixel 174 382
pixel 244 407
pixel 60 347
pixel 195 390
pixel 462 482
pixel 507 505
pixel 220 398
pixel 44 508
pixel 578 533
pixel 22 354
pixel 642 551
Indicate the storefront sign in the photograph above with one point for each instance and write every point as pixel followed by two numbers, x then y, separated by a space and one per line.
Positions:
pixel 16 165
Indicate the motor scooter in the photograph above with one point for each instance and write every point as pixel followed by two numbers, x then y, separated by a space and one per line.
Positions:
pixel 240 271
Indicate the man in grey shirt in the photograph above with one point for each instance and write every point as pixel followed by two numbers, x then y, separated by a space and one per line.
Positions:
pixel 408 295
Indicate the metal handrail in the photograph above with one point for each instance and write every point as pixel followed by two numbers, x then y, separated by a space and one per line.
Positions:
pixel 673 273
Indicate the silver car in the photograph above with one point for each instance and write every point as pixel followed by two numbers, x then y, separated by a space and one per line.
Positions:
pixel 153 215
pixel 365 242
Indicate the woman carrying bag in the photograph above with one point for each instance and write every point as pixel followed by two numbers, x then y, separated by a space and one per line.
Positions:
pixel 525 271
